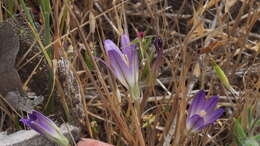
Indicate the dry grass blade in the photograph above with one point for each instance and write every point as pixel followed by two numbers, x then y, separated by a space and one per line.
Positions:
pixel 68 60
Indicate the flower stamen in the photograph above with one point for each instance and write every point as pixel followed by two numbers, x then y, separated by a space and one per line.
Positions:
pixel 202 113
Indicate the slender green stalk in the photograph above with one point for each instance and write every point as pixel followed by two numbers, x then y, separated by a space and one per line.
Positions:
pixel 10 7
pixel 35 33
pixel 46 11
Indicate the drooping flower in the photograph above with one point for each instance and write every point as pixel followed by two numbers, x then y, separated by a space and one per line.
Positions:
pixel 202 112
pixel 124 64
pixel 45 127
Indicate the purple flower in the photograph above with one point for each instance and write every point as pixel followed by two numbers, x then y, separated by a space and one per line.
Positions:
pixel 124 64
pixel 202 112
pixel 158 43
pixel 45 127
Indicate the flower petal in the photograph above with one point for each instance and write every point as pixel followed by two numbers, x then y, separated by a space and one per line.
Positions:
pixel 195 123
pixel 45 121
pixel 42 124
pixel 45 127
pixel 119 67
pixel 126 46
pixel 211 104
pixel 37 116
pixel 123 65
pixel 197 103
pixel 131 53
pixel 110 45
pixel 211 118
pixel 25 121
pixel 125 41
pixel 53 135
pixel 133 64
pixel 30 123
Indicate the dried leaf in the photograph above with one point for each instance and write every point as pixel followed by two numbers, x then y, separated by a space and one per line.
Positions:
pixel 198 25
pixel 92 22
pixel 212 46
pixel 256 47
pixel 196 71
pixel 229 4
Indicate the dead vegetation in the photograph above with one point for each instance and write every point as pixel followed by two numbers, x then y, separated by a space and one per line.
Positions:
pixel 65 66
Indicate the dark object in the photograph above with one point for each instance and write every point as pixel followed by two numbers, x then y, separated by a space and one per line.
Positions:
pixel 9 48
pixel 10 82
pixel 158 43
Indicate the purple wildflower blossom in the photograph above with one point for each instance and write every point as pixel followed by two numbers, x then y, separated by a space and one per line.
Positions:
pixel 45 127
pixel 124 64
pixel 202 112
